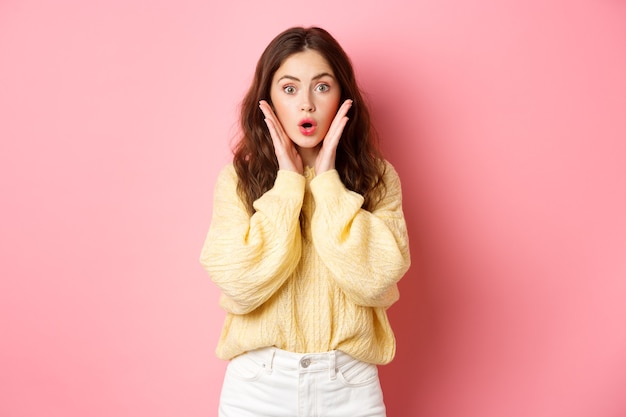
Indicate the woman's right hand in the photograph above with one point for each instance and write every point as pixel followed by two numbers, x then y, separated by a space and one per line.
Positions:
pixel 286 152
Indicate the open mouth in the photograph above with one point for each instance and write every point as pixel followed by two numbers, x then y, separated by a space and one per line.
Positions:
pixel 307 126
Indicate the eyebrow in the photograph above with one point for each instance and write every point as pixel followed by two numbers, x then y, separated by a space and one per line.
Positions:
pixel 317 77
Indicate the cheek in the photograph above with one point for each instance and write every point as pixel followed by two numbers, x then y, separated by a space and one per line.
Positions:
pixel 334 100
pixel 281 112
pixel 332 106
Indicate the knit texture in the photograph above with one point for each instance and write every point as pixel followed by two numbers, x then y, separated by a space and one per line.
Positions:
pixel 322 288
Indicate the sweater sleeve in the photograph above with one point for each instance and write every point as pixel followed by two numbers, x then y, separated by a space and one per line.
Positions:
pixel 366 252
pixel 250 257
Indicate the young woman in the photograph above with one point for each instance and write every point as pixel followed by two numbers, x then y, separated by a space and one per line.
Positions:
pixel 307 241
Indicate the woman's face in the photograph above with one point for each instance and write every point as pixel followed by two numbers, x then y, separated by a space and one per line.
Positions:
pixel 305 96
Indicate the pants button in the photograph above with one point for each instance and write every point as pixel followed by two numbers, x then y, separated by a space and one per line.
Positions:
pixel 305 362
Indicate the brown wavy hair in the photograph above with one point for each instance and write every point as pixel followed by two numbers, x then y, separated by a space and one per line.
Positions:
pixel 358 158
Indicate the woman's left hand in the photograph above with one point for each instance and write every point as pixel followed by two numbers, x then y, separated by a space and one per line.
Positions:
pixel 325 160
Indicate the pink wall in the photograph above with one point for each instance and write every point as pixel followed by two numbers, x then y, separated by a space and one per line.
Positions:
pixel 505 119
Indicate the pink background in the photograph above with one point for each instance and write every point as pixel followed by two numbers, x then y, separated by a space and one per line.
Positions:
pixel 506 121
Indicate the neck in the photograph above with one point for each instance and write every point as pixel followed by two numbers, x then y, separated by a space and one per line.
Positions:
pixel 309 155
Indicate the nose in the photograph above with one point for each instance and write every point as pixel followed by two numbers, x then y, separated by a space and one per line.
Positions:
pixel 307 104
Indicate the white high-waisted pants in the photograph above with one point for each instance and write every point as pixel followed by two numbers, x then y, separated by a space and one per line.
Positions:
pixel 270 382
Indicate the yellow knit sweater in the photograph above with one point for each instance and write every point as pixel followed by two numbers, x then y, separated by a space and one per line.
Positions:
pixel 316 290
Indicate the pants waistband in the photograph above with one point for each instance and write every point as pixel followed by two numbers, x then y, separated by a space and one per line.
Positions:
pixel 272 357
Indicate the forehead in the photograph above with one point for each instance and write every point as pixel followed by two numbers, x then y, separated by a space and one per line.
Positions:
pixel 304 64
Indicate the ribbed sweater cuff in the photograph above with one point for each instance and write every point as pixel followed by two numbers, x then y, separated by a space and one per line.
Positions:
pixel 327 187
pixel 289 182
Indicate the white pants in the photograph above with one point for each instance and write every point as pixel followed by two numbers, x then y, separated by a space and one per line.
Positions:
pixel 270 382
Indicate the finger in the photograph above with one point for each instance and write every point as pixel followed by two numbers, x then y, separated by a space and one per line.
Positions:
pixel 339 123
pixel 282 144
pixel 345 106
pixel 268 112
pixel 340 119
pixel 287 156
pixel 276 138
pixel 337 129
pixel 266 109
pixel 343 110
pixel 326 157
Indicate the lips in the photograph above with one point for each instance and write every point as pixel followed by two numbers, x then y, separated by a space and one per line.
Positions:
pixel 307 126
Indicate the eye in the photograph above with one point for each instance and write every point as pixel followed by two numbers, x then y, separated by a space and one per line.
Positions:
pixel 289 89
pixel 322 88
